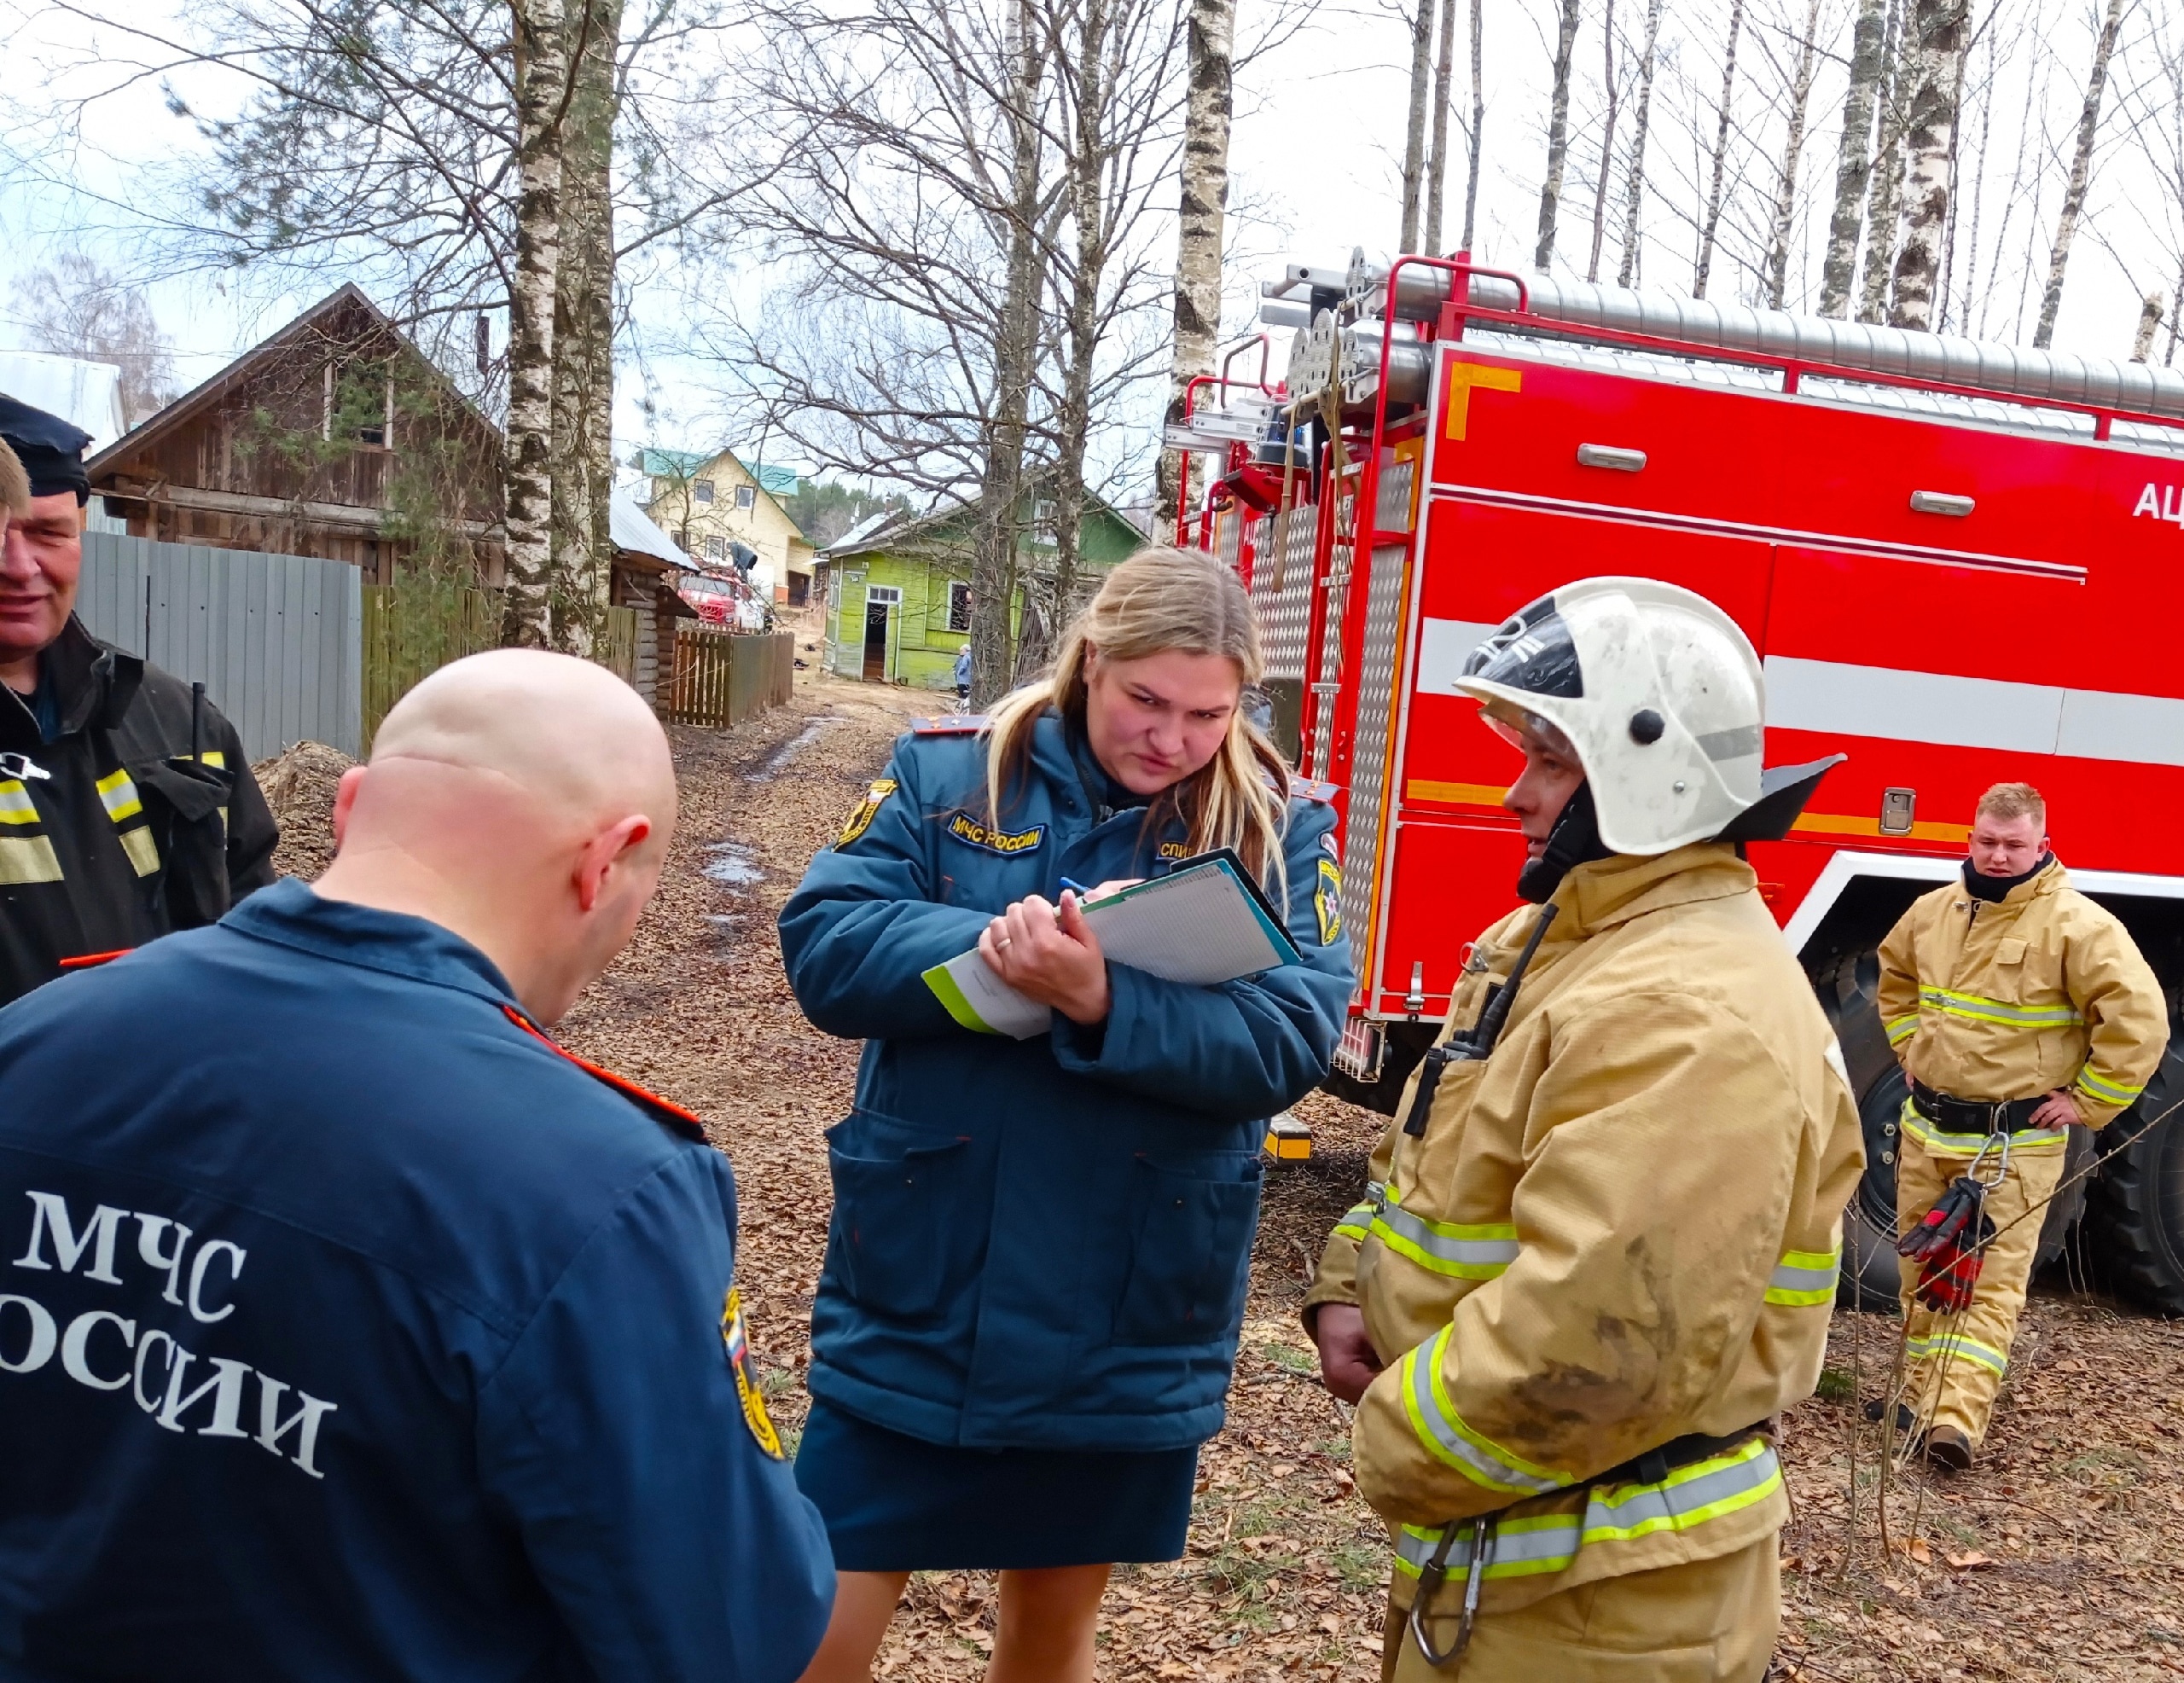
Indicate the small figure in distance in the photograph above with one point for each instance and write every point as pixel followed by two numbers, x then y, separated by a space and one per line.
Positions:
pixel 362 1332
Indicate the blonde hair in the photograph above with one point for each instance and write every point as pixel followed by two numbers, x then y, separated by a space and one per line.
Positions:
pixel 2012 800
pixel 1159 599
pixel 15 484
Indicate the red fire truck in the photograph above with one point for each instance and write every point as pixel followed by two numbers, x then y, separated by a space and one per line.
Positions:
pixel 1954 559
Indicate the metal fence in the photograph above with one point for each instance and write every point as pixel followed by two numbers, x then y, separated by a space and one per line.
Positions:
pixel 724 677
pixel 276 640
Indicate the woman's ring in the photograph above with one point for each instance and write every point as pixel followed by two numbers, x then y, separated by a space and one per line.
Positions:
pixel 1000 941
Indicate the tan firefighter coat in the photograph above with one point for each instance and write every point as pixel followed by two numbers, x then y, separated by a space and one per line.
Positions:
pixel 1622 1228
pixel 2042 991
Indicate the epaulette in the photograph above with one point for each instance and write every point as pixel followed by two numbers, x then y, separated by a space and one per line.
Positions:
pixel 672 1117
pixel 950 724
pixel 1311 791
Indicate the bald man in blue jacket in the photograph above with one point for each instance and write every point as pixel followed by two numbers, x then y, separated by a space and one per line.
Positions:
pixel 350 1329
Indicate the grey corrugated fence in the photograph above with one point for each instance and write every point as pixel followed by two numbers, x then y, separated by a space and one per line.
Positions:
pixel 278 640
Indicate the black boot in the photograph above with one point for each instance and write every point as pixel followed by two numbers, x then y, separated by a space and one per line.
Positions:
pixel 1905 1419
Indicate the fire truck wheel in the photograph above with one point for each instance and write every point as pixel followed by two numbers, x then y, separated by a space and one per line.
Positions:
pixel 2135 1214
pixel 1870 1280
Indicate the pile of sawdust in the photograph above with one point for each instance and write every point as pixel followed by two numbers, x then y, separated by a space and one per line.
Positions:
pixel 300 786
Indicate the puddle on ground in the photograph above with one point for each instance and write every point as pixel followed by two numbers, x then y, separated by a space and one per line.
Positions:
pixel 771 767
pixel 732 864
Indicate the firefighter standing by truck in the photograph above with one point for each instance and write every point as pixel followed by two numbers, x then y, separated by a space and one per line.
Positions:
pixel 1603 1244
pixel 127 806
pixel 2018 1008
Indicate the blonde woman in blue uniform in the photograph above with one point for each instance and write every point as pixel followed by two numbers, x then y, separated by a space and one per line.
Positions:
pixel 1036 1269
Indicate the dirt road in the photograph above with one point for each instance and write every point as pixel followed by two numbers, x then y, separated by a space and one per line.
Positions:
pixel 2058 1559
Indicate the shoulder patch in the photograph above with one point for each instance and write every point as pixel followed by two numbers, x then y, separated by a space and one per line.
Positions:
pixel 1330 846
pixel 1304 788
pixel 1175 850
pixel 747 1393
pixel 860 820
pixel 987 840
pixel 1327 901
pixel 672 1117
pixel 950 724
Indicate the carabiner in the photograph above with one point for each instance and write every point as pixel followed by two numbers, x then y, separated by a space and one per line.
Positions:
pixel 1998 1143
pixel 1435 1572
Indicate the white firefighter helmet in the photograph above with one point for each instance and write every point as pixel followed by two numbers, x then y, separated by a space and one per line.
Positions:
pixel 1656 694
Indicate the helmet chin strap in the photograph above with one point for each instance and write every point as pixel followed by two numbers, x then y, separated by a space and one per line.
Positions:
pixel 1575 840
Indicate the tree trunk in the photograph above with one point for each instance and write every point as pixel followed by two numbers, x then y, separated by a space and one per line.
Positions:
pixel 1558 135
pixel 1786 190
pixel 1712 220
pixel 1087 65
pixel 1887 175
pixel 1635 187
pixel 1002 482
pixel 1477 122
pixel 1198 255
pixel 541 86
pixel 1414 142
pixel 2149 324
pixel 1854 167
pixel 1937 30
pixel 1607 138
pixel 1721 154
pixel 2066 225
pixel 584 330
pixel 1437 168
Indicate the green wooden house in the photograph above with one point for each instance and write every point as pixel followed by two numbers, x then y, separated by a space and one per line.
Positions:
pixel 898 590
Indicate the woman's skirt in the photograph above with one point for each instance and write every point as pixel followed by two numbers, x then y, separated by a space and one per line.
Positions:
pixel 898 1504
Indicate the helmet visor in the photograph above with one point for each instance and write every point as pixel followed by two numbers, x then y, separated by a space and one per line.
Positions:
pixel 1525 730
pixel 1532 653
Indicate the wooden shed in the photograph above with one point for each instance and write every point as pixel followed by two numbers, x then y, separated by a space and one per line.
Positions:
pixel 335 437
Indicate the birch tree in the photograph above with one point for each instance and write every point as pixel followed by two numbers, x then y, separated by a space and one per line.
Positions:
pixel 1786 181
pixel 1206 115
pixel 542 58
pixel 1437 168
pixel 1613 91
pixel 1476 137
pixel 1854 168
pixel 1884 204
pixel 1635 175
pixel 1413 143
pixel 1558 135
pixel 1710 219
pixel 1936 59
pixel 584 333
pixel 2066 222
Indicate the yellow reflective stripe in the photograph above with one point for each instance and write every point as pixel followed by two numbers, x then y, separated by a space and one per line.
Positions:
pixel 28 859
pixel 214 757
pixel 15 804
pixel 1686 1498
pixel 1903 1028
pixel 119 795
pixel 1804 1278
pixel 1448 1438
pixel 144 852
pixel 1979 1009
pixel 2106 1092
pixel 1944 1346
pixel 1944 1144
pixel 1482 1250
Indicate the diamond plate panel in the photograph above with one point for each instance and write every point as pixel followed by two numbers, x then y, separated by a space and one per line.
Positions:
pixel 1228 541
pixel 1394 497
pixel 1285 612
pixel 1328 685
pixel 1360 839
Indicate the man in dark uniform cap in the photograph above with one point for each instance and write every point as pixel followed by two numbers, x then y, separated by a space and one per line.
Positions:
pixel 126 806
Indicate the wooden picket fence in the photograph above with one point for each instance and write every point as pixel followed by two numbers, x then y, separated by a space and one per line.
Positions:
pixel 724 677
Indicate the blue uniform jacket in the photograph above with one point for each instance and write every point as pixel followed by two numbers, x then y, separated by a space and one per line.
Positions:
pixel 1040 1243
pixel 350 1330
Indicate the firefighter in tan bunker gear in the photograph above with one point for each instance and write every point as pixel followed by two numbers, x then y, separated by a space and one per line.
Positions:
pixel 1594 1264
pixel 2018 1007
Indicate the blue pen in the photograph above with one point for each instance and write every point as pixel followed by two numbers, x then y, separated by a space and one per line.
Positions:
pixel 1075 886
